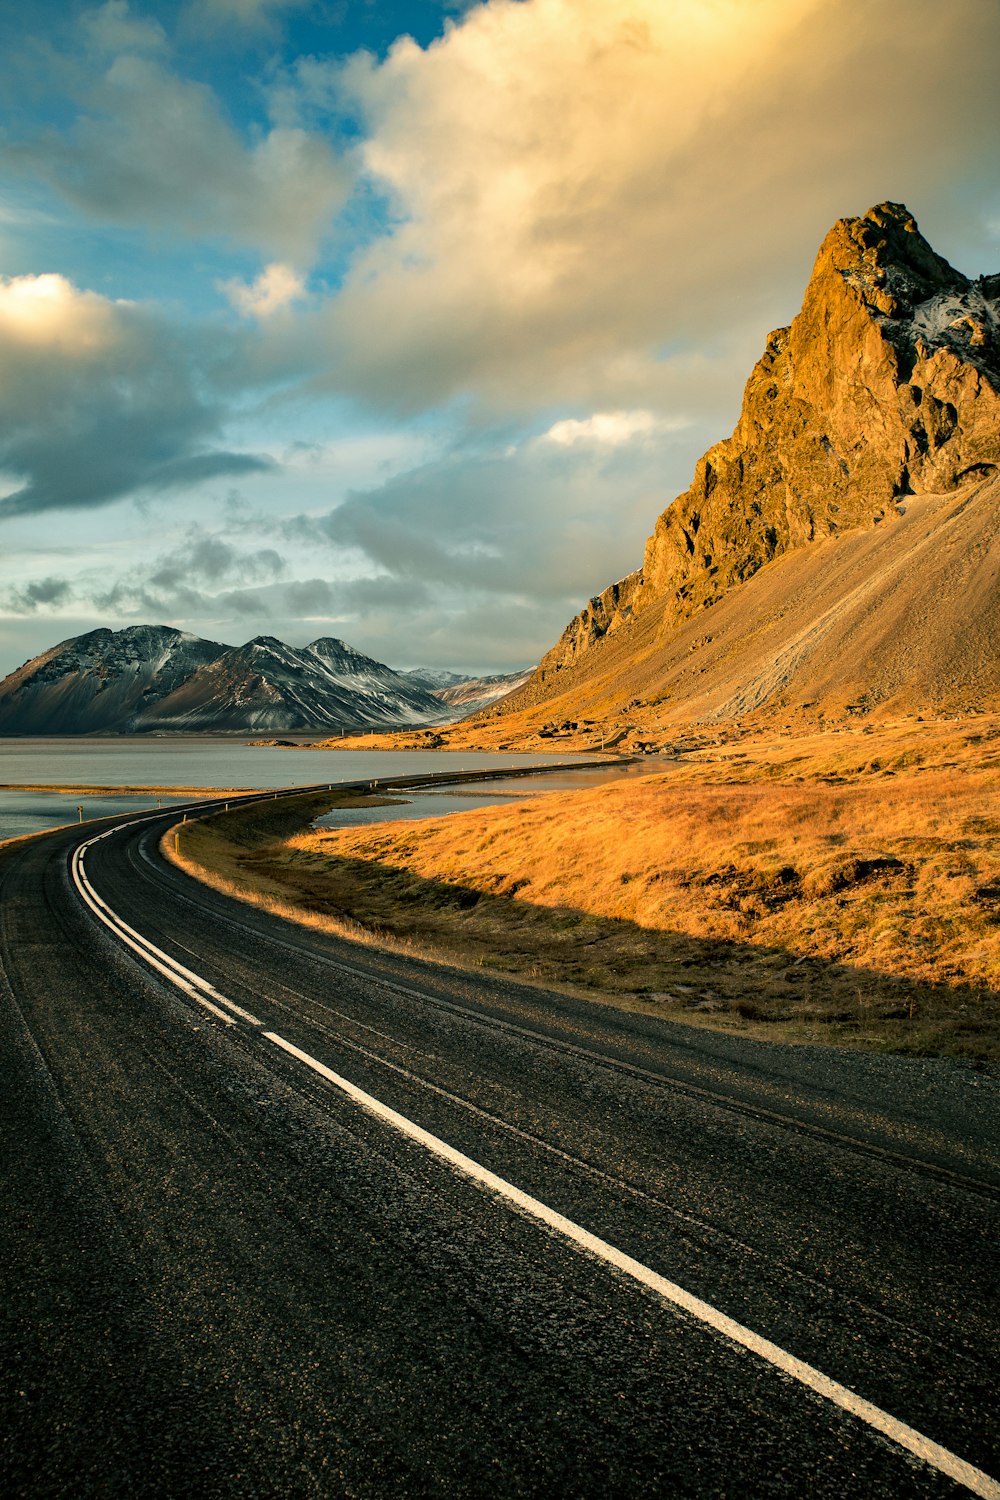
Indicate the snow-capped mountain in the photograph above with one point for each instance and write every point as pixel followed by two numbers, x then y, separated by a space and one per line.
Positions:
pixel 434 679
pixel 266 685
pixel 100 682
pixel 152 677
pixel 470 694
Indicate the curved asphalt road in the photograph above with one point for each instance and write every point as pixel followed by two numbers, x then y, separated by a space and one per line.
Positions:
pixel 222 1275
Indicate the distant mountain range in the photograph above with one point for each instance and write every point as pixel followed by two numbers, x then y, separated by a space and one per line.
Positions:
pixel 470 695
pixel 153 678
pixel 434 679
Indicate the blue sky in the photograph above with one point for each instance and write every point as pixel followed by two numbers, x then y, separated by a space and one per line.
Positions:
pixel 402 322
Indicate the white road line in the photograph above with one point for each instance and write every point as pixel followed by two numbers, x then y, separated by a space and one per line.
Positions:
pixel 924 1448
pixel 192 984
pixel 905 1437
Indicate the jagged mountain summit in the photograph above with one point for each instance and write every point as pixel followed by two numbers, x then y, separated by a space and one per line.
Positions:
pixel 880 401
pixel 266 685
pixel 154 678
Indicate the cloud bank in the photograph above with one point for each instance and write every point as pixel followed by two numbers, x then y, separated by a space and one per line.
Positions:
pixel 539 254
pixel 100 399
pixel 152 150
pixel 578 188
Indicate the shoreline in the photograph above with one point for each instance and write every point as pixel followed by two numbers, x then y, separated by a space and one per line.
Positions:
pixel 785 895
pixel 62 789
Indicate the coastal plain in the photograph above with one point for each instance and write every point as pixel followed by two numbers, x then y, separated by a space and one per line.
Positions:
pixel 839 886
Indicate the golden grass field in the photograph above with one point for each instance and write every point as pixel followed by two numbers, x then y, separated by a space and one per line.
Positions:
pixel 840 887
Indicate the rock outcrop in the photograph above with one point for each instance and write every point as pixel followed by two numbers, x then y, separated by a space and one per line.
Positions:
pixel 886 385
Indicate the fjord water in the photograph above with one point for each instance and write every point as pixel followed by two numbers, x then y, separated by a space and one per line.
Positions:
pixel 437 801
pixel 209 763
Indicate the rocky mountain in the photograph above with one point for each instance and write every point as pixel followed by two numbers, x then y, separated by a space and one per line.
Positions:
pixel 266 685
pixel 102 681
pixel 154 678
pixel 470 695
pixel 884 391
pixel 434 679
pixel 467 695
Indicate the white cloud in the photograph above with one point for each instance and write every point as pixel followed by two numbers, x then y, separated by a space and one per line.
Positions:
pixel 47 313
pixel 100 399
pixel 153 150
pixel 112 28
pixel 611 428
pixel 544 521
pixel 275 288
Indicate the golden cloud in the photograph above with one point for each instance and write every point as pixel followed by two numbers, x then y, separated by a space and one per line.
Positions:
pixel 48 313
pixel 574 182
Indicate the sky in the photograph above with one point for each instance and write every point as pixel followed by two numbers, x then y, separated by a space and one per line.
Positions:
pixel 402 320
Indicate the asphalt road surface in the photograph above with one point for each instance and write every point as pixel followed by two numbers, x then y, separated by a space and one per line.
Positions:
pixel 285 1216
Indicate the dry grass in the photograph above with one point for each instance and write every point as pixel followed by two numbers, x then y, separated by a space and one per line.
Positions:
pixel 838 887
pixel 239 853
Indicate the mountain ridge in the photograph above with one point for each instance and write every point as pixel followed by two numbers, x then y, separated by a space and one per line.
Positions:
pixel 156 679
pixel 473 694
pixel 885 387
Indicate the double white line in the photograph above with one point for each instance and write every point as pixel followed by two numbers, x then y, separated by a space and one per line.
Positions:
pixel 192 984
pixel 905 1437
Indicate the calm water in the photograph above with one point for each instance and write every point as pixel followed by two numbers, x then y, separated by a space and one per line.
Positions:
pixel 435 804
pixel 31 812
pixel 200 761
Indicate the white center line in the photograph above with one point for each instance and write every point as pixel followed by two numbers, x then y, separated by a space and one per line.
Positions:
pixel 924 1448
pixel 905 1437
pixel 185 979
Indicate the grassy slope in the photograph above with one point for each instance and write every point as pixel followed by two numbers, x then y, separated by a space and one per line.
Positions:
pixel 900 618
pixel 835 886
